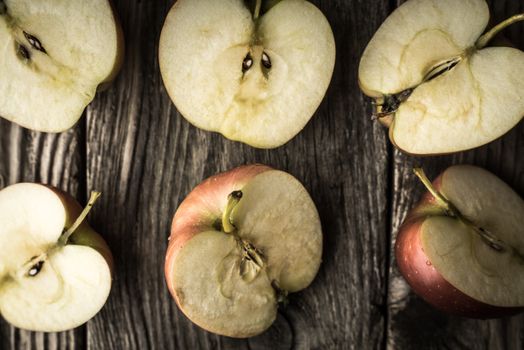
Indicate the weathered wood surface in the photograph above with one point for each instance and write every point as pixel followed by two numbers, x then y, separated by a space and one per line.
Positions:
pixel 134 147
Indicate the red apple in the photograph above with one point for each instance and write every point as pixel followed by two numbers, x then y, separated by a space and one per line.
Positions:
pixel 55 270
pixel 241 241
pixel 461 249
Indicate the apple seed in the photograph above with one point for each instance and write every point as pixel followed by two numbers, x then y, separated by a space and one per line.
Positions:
pixel 35 269
pixel 266 61
pixel 35 43
pixel 247 63
pixel 442 68
pixel 23 52
pixel 3 8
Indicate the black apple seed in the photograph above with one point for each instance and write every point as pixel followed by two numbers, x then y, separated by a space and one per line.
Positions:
pixel 35 269
pixel 23 52
pixel 35 43
pixel 247 63
pixel 266 61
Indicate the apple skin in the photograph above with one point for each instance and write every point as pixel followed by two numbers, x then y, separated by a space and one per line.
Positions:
pixel 424 278
pixel 201 209
pixel 84 234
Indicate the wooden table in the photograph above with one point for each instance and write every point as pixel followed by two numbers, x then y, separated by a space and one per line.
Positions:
pixel 134 146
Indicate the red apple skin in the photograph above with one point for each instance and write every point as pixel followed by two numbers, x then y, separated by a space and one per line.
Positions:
pixel 201 209
pixel 84 234
pixel 424 278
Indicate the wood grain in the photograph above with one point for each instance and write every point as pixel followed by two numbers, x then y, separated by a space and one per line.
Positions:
pixel 413 324
pixel 145 158
pixel 50 159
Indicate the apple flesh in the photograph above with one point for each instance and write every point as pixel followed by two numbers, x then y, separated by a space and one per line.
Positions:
pixel 49 282
pixel 255 79
pixel 434 82
pixel 239 243
pixel 55 55
pixel 464 252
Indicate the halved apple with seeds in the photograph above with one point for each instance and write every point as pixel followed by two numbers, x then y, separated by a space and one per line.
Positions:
pixel 462 247
pixel 435 83
pixel 55 271
pixel 55 54
pixel 255 77
pixel 239 243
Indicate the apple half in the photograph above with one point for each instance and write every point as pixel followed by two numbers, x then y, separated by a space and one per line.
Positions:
pixel 436 85
pixel 254 77
pixel 55 271
pixel 462 248
pixel 240 242
pixel 55 54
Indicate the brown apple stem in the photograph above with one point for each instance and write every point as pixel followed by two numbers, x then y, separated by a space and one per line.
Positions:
pixel 488 237
pixel 442 201
pixel 258 5
pixel 232 201
pixel 80 219
pixel 486 38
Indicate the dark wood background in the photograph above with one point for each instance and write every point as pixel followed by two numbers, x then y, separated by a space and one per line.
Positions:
pixel 134 147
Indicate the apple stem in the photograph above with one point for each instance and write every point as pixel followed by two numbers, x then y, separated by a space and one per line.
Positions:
pixel 486 38
pixel 232 201
pixel 258 5
pixel 80 219
pixel 489 238
pixel 441 200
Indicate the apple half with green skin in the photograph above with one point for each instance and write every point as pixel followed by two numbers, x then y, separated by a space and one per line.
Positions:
pixel 254 77
pixel 240 242
pixel 55 55
pixel 434 82
pixel 55 271
pixel 462 248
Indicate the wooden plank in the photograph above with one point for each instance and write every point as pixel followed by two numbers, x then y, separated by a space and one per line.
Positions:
pixel 413 324
pixel 51 159
pixel 145 158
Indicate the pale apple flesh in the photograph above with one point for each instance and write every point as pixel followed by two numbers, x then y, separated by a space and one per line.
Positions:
pixel 55 55
pixel 475 103
pixel 416 37
pixel 254 80
pixel 443 91
pixel 230 283
pixel 46 285
pixel 451 265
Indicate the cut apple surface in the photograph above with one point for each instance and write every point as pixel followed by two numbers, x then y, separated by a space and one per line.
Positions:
pixel 255 79
pixel 54 56
pixel 435 84
pixel 49 281
pixel 463 250
pixel 240 242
